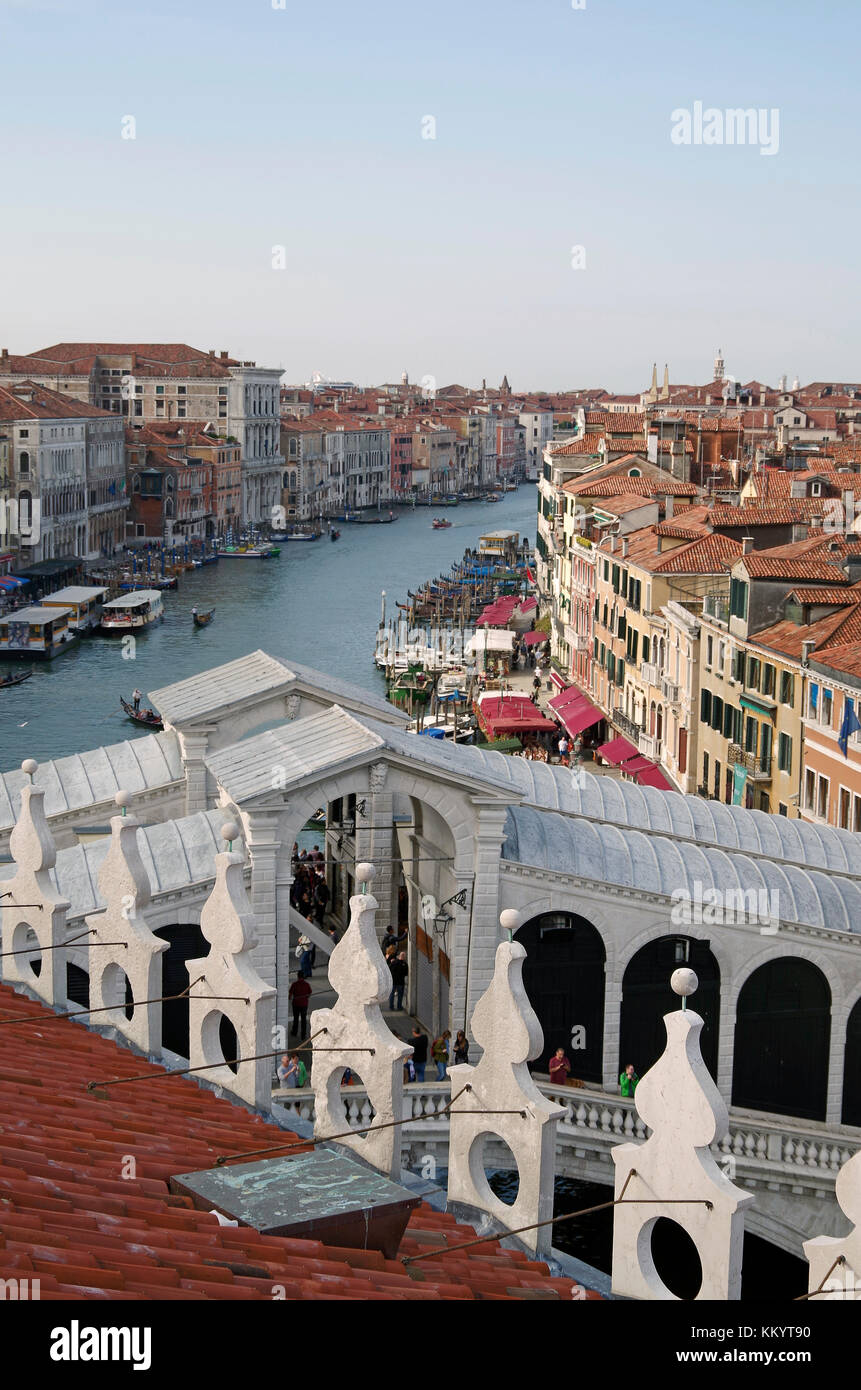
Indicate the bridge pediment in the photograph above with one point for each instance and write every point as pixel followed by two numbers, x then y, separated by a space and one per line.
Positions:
pixel 261 771
pixel 230 701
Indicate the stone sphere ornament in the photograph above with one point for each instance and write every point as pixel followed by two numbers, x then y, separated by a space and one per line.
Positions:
pixel 123 799
pixel 29 766
pixel 684 981
pixel 365 873
pixel 509 920
pixel 230 831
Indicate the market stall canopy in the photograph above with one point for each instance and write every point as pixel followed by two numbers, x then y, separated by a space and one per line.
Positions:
pixel 511 715
pixel 533 638
pixel 491 640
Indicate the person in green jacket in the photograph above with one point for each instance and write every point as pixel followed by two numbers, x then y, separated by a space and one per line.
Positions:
pixel 628 1081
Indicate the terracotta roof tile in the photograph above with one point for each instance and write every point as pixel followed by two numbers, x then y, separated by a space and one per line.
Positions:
pixel 66 1216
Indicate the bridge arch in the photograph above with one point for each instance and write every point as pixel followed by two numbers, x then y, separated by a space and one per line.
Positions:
pixel 850 1113
pixel 564 978
pixel 783 1039
pixel 647 997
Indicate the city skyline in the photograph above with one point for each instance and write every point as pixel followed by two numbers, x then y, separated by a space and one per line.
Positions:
pixel 494 192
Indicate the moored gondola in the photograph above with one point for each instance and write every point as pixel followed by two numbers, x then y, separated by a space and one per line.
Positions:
pixel 202 616
pixel 147 717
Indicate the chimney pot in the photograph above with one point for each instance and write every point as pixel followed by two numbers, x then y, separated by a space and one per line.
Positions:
pixel 746 545
pixel 625 548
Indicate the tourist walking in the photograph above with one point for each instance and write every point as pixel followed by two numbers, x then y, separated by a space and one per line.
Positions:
pixel 628 1081
pixel 419 1041
pixel 305 956
pixel 439 1052
pixel 461 1048
pixel 321 899
pixel 559 1068
pixel 298 994
pixel 399 971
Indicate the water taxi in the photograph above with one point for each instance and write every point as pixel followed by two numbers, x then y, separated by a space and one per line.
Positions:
pixel 440 523
pixel 36 632
pixel 133 611
pixel 85 603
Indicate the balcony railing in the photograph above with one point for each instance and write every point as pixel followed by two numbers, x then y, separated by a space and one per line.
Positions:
pixel 626 725
pixel 716 607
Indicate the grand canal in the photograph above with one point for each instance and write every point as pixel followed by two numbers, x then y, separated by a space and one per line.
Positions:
pixel 318 603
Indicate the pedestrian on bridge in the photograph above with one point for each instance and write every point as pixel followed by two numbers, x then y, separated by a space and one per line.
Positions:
pixel 299 993
pixel 628 1081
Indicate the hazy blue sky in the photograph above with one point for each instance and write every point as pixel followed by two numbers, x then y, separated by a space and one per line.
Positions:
pixel 301 127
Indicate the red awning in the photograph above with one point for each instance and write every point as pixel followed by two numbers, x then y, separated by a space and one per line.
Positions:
pixel 577 717
pixel 617 750
pixel 638 764
pixel 571 696
pixel 532 638
pixel 653 777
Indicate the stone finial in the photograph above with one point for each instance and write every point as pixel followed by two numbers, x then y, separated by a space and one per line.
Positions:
pixel 123 799
pixel 681 1104
pixel 844 1280
pixel 505 1025
pixel 125 887
pixel 229 925
pixel 359 974
pixel 230 832
pixel 44 916
pixel 29 766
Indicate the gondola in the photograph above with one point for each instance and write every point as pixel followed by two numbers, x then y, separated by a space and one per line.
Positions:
pixel 203 617
pixel 150 720
pixel 334 535
pixel 15 680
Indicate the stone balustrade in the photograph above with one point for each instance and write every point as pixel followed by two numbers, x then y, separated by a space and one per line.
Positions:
pixel 771 1155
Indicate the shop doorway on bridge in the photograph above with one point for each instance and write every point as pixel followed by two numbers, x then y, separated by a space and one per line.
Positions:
pixel 564 978
pixel 185 942
pixel 852 1069
pixel 782 1034
pixel 647 997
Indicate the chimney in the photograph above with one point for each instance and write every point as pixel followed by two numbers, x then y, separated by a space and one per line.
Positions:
pixel 669 504
pixel 806 649
pixel 746 545
pixel 4 356
pixel 625 548
pixel 224 356
pixel 612 545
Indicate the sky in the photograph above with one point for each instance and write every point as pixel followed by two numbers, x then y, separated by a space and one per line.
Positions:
pixel 459 189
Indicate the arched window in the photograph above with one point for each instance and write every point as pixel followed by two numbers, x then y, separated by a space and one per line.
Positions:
pixel 25 512
pixel 24 463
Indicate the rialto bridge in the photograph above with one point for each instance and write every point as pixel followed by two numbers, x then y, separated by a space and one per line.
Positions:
pixel 596 869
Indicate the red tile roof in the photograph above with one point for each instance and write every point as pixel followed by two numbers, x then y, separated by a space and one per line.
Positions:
pixel 69 1218
pixel 760 565
pixel 46 405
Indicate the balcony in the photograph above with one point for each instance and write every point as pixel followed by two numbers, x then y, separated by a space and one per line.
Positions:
pixel 649 673
pixel 670 691
pixel 758 769
pixel 650 746
pixel 626 725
